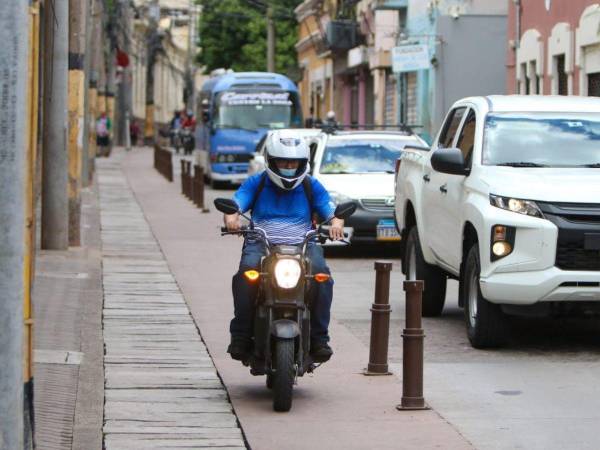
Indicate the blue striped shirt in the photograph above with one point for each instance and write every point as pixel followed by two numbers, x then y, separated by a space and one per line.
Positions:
pixel 284 215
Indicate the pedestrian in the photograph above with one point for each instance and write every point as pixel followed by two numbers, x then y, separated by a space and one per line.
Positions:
pixel 310 120
pixel 103 128
pixel 134 132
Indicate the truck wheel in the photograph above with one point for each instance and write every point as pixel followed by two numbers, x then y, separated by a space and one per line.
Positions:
pixel 434 294
pixel 285 373
pixel 485 321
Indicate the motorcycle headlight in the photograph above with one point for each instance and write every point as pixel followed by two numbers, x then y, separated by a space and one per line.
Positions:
pixel 527 207
pixel 287 273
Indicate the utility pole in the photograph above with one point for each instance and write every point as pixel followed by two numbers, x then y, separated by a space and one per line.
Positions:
pixel 270 40
pixel 123 111
pixel 87 70
pixel 153 42
pixel 14 27
pixel 55 204
pixel 77 18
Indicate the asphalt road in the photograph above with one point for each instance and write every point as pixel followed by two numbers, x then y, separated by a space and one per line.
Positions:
pixel 539 392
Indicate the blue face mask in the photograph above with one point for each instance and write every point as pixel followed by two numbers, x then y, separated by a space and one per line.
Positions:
pixel 288 172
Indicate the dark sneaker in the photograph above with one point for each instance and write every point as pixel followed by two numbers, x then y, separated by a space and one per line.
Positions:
pixel 320 351
pixel 239 348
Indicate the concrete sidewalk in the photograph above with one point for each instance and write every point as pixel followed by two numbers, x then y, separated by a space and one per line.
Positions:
pixel 337 407
pixel 68 372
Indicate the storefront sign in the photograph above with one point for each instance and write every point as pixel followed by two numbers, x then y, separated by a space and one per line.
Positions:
pixel 408 58
pixel 256 98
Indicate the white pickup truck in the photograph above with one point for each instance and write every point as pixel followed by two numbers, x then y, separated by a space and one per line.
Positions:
pixel 507 201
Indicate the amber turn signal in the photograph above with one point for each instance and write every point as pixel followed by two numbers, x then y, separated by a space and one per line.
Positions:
pixel 251 275
pixel 322 277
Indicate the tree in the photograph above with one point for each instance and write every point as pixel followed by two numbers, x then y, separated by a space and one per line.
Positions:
pixel 233 35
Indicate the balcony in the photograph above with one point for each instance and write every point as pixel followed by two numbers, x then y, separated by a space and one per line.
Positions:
pixel 342 35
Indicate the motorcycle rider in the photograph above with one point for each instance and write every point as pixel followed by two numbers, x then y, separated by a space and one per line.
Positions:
pixel 282 200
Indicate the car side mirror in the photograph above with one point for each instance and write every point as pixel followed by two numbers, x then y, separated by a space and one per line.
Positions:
pixel 450 161
pixel 226 206
pixel 344 210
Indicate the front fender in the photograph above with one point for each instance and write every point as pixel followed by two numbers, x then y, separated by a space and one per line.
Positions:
pixel 285 329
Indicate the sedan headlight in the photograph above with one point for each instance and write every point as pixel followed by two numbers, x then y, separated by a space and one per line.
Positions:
pixel 339 198
pixel 287 273
pixel 527 207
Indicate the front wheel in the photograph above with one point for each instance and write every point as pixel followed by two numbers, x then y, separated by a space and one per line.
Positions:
pixel 285 373
pixel 434 280
pixel 485 321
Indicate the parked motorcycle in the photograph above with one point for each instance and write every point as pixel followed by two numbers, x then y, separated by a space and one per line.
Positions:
pixel 282 310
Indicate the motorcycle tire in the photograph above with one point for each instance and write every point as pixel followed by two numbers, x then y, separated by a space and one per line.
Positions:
pixel 285 373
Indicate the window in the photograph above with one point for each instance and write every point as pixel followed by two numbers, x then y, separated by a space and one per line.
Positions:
pixel 466 140
pixel 539 139
pixel 563 78
pixel 450 127
pixel 594 84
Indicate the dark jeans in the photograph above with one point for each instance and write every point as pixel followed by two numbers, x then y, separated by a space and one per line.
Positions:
pixel 244 293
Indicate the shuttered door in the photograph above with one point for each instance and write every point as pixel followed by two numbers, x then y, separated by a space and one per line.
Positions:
pixel 411 99
pixel 390 99
pixel 594 84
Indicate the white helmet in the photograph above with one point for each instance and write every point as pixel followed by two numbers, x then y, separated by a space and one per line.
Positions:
pixel 286 145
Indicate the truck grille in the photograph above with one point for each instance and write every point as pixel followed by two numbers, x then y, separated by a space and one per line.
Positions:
pixel 573 257
pixel 378 204
pixel 234 157
pixel 574 221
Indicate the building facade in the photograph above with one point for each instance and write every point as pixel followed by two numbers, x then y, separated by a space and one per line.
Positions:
pixel 161 37
pixel 554 47
pixel 345 50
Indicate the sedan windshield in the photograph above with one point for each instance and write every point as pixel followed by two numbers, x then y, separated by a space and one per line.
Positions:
pixel 344 157
pixel 542 140
pixel 257 110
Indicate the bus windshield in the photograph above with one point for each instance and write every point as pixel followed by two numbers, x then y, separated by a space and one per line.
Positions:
pixel 255 110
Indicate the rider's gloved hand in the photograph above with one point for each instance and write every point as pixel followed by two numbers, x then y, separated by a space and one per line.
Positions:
pixel 336 230
pixel 232 222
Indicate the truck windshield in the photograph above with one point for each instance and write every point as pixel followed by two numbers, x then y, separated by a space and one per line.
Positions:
pixel 542 140
pixel 348 157
pixel 255 110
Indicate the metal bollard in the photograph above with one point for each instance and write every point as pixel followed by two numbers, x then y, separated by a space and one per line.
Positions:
pixel 380 321
pixel 188 180
pixel 412 359
pixel 169 166
pixel 199 188
pixel 182 162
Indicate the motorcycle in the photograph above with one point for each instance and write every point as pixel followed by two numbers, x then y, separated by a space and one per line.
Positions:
pixel 187 141
pixel 282 310
pixel 176 139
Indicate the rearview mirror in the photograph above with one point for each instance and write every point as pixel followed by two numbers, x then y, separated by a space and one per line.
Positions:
pixel 226 206
pixel 344 210
pixel 450 161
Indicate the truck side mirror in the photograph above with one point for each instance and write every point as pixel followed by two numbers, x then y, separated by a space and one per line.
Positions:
pixel 450 161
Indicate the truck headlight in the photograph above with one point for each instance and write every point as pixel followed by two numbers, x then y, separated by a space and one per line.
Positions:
pixel 502 242
pixel 287 273
pixel 527 207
